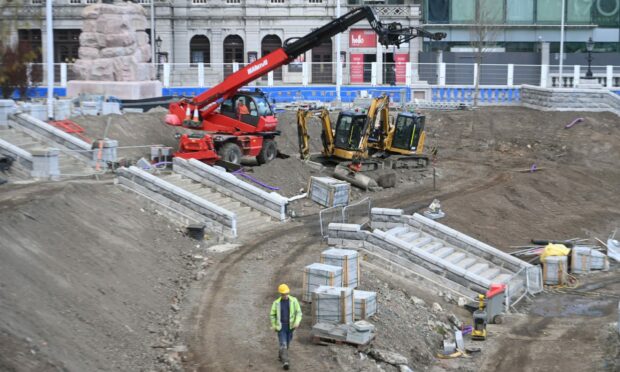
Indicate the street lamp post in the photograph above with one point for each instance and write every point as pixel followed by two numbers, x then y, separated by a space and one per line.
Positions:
pixel 158 46
pixel 589 48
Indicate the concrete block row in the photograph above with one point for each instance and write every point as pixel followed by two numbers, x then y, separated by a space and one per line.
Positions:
pixel 273 204
pixel 153 185
pixel 82 148
pixel 23 157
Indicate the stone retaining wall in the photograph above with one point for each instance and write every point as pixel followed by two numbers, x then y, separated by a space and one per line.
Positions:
pixel 570 99
pixel 215 218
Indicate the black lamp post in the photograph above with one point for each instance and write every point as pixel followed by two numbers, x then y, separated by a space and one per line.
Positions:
pixel 589 47
pixel 157 47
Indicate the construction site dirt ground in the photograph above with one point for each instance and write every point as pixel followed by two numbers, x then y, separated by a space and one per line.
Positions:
pixel 482 178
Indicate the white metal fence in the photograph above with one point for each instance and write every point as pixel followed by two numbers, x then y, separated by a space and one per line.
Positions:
pixel 367 74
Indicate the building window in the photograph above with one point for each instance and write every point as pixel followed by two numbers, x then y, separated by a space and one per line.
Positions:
pixel 200 49
pixel 268 45
pixel 463 11
pixel 233 52
pixel 233 1
pixel 277 1
pixel 36 2
pixel 199 1
pixel 520 11
pixel 31 39
pixel 547 11
pixel 491 11
pixel 315 1
pixel 66 45
pixel 438 11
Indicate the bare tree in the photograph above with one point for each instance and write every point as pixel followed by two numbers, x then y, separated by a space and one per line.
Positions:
pixel 483 35
pixel 15 57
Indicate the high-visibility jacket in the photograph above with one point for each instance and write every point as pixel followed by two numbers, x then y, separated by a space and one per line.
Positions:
pixel 294 313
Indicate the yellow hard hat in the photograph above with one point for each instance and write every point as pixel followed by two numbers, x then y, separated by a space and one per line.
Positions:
pixel 283 289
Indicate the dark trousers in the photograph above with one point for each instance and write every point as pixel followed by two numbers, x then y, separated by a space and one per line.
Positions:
pixel 285 336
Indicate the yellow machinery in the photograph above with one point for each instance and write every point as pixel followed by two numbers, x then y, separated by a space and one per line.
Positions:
pixel 479 331
pixel 370 136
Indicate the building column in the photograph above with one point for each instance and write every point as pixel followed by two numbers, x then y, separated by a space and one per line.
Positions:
pixel 415 46
pixel 544 53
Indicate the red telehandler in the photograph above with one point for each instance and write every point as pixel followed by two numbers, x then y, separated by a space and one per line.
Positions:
pixel 241 123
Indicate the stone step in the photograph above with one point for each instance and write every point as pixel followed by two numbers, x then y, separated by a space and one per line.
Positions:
pixel 398 230
pixel 490 273
pixel 455 257
pixel 502 278
pixel 410 236
pixel 466 263
pixel 478 268
pixel 421 241
pixel 432 246
pixel 444 252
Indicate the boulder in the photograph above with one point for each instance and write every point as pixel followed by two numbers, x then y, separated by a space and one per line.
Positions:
pixel 388 357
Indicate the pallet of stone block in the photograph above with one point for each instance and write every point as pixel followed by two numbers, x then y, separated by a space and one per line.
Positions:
pixel 555 270
pixel 365 304
pixel 319 274
pixel 356 334
pixel 333 305
pixel 348 259
pixel 329 192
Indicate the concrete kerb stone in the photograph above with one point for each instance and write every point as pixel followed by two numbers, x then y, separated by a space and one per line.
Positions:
pixel 23 157
pixel 7 107
pixel 344 227
pixel 181 196
pixel 272 203
pixel 386 211
pixel 50 132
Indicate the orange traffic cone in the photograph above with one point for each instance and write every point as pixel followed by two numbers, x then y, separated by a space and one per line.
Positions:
pixel 195 115
pixel 188 113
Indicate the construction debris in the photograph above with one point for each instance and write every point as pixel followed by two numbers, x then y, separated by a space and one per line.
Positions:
pixel 434 211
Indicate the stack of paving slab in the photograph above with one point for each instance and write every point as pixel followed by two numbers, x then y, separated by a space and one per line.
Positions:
pixel 365 304
pixel 358 333
pixel 584 259
pixel 348 260
pixel 317 275
pixel 329 192
pixel 555 270
pixel 333 305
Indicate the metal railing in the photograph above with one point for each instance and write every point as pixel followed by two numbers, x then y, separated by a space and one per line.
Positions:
pixel 357 213
pixel 368 74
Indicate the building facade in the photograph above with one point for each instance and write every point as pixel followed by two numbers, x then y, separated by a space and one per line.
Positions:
pixel 222 35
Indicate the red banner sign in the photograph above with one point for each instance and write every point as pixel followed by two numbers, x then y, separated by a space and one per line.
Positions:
pixel 357 68
pixel 362 39
pixel 401 67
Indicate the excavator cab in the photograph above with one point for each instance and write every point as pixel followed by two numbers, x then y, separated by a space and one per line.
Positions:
pixel 350 129
pixel 247 107
pixel 408 132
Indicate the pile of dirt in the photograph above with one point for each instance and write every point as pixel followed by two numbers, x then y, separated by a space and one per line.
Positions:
pixel 89 279
pixel 134 132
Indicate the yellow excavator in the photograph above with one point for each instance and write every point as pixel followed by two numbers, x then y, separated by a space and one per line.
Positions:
pixel 369 137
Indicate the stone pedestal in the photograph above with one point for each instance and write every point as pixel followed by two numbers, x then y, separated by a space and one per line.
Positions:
pixel 589 84
pixel 7 107
pixel 45 163
pixel 118 89
pixel 105 151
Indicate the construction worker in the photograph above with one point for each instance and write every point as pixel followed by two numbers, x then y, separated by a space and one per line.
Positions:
pixel 285 318
pixel 242 109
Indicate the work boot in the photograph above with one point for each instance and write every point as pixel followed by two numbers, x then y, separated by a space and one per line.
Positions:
pixel 285 361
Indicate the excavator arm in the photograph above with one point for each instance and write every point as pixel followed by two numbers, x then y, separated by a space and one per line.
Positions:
pixel 209 101
pixel 327 135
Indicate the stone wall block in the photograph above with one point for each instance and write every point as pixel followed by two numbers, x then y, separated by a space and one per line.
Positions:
pixel 88 53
